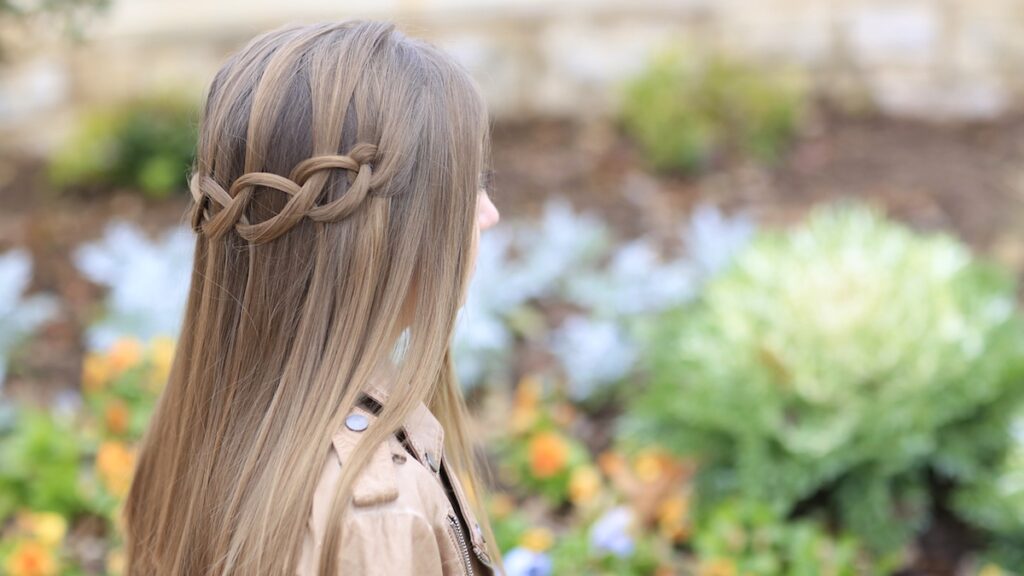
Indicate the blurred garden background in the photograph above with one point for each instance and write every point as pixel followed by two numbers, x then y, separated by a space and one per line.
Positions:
pixel 753 307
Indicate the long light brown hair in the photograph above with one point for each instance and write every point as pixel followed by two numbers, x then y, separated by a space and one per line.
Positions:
pixel 335 188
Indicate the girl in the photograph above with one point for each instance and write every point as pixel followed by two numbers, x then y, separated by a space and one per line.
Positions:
pixel 312 423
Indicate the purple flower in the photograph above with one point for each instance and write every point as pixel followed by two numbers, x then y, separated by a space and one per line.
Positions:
pixel 611 532
pixel 524 562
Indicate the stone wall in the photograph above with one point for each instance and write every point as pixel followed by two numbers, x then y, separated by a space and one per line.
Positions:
pixel 934 59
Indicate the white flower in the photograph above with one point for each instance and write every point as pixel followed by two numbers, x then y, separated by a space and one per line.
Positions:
pixel 19 316
pixel 593 353
pixel 147 280
pixel 610 533
pixel 524 562
pixel 517 263
pixel 564 242
pixel 712 239
pixel 634 281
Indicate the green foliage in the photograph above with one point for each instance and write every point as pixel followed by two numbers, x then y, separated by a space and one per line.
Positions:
pixel 685 110
pixel 509 528
pixel 69 14
pixel 995 502
pixel 15 9
pixel 57 471
pixel 748 538
pixel 574 555
pixel 145 144
pixel 840 361
pixel 39 461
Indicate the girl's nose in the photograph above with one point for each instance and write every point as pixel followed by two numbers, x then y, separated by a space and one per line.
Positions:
pixel 487 212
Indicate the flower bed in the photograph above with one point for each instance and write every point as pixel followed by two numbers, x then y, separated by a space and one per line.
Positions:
pixel 805 402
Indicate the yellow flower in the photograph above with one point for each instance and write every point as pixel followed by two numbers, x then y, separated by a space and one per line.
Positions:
pixel 611 463
pixel 649 465
pixel 672 515
pixel 161 353
pixel 115 464
pixel 96 372
pixel 991 570
pixel 501 505
pixel 521 420
pixel 537 539
pixel 47 528
pixel 584 485
pixel 548 454
pixel 32 559
pixel 717 567
pixel 525 405
pixel 528 392
pixel 563 413
pixel 117 417
pixel 123 354
pixel 115 561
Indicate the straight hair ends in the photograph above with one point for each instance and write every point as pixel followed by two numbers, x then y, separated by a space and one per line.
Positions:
pixel 336 174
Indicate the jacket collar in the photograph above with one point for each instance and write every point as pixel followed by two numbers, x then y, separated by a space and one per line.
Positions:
pixel 422 429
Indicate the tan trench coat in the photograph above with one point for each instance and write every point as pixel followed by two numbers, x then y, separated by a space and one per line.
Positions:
pixel 408 516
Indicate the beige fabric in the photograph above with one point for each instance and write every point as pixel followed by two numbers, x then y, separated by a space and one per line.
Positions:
pixel 399 522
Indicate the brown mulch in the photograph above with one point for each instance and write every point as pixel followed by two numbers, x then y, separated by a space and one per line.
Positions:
pixel 968 179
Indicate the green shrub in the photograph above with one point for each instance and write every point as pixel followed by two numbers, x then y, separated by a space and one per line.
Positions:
pixel 837 365
pixel 39 465
pixel 145 144
pixel 684 111
pixel 749 538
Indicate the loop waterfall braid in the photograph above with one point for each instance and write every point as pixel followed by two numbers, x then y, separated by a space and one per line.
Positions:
pixel 301 185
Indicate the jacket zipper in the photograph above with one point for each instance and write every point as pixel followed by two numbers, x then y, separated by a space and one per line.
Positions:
pixel 481 553
pixel 453 520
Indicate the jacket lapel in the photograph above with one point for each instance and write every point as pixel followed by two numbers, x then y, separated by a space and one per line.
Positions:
pixel 423 432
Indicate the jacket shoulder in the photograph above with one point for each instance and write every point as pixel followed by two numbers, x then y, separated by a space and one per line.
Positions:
pixel 395 523
pixel 377 482
pixel 393 476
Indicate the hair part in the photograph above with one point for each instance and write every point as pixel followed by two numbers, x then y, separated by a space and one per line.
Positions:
pixel 336 176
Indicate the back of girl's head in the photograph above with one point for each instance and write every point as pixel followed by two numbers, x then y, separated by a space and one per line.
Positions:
pixel 336 175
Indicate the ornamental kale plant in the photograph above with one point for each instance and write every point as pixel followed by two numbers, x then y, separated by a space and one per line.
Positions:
pixel 838 366
pixel 995 503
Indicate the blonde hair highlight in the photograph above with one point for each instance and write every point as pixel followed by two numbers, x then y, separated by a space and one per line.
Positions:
pixel 336 175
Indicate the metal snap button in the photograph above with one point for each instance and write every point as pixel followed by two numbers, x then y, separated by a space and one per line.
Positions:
pixel 356 422
pixel 432 461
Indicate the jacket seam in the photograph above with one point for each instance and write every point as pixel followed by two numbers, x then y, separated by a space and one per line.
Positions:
pixel 392 511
